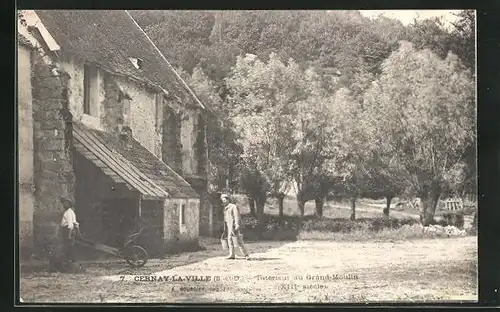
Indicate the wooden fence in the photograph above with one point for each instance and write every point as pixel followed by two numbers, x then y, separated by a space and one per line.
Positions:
pixel 454 204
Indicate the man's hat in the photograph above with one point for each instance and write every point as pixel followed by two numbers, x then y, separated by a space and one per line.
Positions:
pixel 66 201
pixel 224 195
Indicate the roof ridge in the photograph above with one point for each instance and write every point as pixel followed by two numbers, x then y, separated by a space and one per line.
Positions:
pixel 109 40
pixel 166 61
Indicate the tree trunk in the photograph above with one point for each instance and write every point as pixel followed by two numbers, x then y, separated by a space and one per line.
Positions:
pixel 281 198
pixel 319 207
pixel 428 210
pixel 429 203
pixel 353 209
pixel 261 202
pixel 251 204
pixel 388 206
pixel 301 204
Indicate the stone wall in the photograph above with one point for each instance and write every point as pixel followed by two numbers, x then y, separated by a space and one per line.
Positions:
pixel 115 105
pixel 53 161
pixel 206 215
pixel 178 234
pixel 121 101
pixel 75 69
pixel 25 150
pixel 200 147
pixel 142 114
pixel 188 125
pixel 171 223
pixel 171 147
pixel 189 222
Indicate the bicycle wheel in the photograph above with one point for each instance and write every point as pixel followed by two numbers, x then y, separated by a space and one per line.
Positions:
pixel 136 256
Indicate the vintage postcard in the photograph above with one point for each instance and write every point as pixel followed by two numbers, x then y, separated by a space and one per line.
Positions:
pixel 298 156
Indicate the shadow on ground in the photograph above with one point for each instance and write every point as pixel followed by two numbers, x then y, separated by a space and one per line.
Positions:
pixel 263 259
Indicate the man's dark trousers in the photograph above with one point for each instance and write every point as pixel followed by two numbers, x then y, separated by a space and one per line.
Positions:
pixel 68 244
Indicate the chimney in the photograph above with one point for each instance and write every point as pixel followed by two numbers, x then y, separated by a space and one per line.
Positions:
pixel 126 137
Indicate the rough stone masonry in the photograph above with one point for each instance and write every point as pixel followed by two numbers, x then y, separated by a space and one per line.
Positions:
pixel 53 159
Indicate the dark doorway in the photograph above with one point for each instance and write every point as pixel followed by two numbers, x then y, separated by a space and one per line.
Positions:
pixel 119 217
pixel 152 219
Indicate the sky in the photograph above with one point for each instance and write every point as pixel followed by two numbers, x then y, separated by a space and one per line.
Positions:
pixel 406 16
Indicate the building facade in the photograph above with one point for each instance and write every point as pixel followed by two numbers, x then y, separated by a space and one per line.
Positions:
pixel 106 121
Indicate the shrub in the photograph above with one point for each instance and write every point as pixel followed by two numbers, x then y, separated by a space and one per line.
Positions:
pixel 330 225
pixel 270 227
pixel 473 229
pixel 346 226
pixel 409 221
pixel 249 222
pixel 454 219
pixel 363 234
pixel 469 209
pixel 378 224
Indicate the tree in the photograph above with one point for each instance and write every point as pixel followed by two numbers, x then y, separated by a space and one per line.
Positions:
pixel 425 108
pixel 349 167
pixel 258 107
pixel 430 34
pixel 315 142
pixel 382 179
pixel 284 119
pixel 189 30
pixel 464 38
pixel 255 186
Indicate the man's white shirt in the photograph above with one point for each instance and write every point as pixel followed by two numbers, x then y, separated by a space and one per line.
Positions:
pixel 68 219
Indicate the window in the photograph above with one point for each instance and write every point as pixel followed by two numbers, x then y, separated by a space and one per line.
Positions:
pixel 200 145
pixel 86 90
pixel 183 214
pixel 159 111
pixel 90 90
pixel 137 62
pixel 126 111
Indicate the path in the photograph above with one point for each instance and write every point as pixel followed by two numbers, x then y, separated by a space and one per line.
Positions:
pixel 303 271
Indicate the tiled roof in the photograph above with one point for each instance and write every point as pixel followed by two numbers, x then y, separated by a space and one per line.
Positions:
pixel 137 166
pixel 110 38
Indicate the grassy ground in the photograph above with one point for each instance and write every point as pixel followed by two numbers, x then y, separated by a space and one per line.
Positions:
pixel 360 235
pixel 421 270
pixel 365 208
pixel 331 210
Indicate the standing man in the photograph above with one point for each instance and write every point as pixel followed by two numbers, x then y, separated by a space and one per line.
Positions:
pixel 232 227
pixel 69 228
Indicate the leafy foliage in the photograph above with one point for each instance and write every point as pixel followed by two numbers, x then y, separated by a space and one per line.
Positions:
pixel 260 110
pixel 428 111
pixel 329 100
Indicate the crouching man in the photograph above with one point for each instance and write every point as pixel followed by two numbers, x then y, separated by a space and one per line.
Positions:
pixel 232 227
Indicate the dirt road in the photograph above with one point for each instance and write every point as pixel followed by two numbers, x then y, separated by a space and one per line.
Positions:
pixel 303 271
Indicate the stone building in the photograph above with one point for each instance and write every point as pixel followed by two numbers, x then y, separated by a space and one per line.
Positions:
pixel 107 121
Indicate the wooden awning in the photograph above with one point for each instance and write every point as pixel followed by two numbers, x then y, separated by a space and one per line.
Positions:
pixel 113 164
